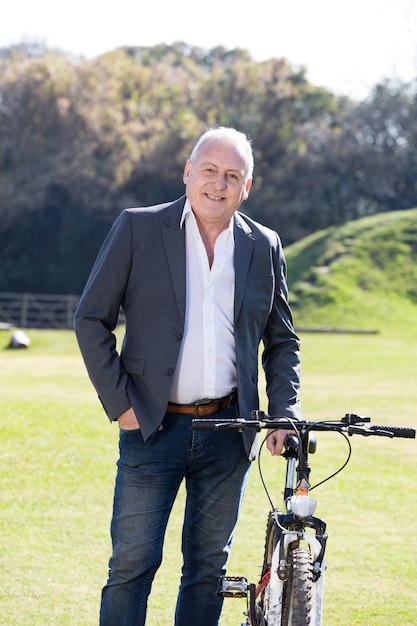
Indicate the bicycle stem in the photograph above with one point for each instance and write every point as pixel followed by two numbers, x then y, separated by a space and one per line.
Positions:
pixel 289 480
pixel 302 471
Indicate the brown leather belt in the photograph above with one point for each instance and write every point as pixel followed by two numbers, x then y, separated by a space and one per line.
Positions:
pixel 204 408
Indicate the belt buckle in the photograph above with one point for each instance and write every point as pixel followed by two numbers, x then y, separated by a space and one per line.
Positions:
pixel 202 403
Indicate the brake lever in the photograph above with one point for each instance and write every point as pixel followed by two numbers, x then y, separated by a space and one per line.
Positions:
pixel 366 432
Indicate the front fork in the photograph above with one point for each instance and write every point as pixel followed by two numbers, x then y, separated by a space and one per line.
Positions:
pixel 292 531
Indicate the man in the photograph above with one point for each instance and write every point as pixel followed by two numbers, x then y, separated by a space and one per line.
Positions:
pixel 201 286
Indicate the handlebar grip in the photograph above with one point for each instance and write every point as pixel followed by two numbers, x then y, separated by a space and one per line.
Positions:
pixel 397 431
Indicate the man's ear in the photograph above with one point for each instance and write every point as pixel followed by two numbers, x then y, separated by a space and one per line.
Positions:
pixel 247 187
pixel 187 170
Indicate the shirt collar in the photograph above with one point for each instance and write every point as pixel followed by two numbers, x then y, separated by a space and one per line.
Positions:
pixel 187 209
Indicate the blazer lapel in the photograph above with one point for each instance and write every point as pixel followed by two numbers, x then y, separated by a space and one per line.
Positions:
pixel 244 242
pixel 174 241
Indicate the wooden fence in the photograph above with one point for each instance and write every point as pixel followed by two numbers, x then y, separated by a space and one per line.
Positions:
pixel 28 310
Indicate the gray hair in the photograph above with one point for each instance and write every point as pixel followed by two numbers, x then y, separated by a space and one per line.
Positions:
pixel 231 135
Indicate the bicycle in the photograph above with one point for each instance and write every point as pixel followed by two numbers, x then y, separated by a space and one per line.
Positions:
pixel 290 589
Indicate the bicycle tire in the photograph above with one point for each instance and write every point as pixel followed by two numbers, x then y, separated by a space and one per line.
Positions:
pixel 300 599
pixel 271 540
pixel 297 600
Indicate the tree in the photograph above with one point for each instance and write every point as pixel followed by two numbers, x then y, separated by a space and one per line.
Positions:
pixel 81 140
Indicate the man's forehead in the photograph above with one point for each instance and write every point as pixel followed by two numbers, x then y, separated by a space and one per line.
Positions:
pixel 233 167
pixel 221 154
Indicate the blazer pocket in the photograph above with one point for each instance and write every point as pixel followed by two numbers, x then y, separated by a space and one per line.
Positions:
pixel 132 365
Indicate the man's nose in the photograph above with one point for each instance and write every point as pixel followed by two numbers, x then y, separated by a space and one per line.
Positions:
pixel 221 180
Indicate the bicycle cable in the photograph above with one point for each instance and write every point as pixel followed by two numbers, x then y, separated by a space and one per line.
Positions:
pixel 342 467
pixel 292 422
pixel 261 474
pixel 300 458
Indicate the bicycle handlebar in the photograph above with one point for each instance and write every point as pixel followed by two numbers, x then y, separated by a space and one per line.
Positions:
pixel 351 424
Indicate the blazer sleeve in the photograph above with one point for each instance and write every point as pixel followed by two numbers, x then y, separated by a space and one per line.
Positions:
pixel 97 314
pixel 281 355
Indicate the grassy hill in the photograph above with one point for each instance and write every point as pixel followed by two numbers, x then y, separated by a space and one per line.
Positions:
pixel 362 275
pixel 59 451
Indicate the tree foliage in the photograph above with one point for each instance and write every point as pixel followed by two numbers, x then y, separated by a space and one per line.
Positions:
pixel 80 140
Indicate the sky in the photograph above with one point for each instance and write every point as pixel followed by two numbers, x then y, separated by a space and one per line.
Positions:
pixel 347 46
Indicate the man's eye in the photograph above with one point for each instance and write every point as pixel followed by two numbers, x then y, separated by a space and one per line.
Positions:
pixel 233 177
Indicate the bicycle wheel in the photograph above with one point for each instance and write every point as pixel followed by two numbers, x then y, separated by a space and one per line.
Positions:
pixel 295 601
pixel 266 612
pixel 297 598
pixel 255 615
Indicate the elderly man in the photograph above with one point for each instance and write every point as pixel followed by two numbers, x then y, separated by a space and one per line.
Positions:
pixel 201 286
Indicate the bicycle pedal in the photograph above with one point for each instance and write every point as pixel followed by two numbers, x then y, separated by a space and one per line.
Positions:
pixel 233 587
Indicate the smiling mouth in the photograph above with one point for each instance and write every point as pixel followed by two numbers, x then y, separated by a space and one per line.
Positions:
pixel 216 198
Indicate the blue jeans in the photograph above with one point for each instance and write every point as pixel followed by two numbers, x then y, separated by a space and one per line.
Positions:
pixel 216 469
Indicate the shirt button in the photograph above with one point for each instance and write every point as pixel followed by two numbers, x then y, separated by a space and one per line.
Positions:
pixel 169 371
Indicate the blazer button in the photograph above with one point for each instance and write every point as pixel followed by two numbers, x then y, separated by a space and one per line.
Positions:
pixel 169 371
pixel 178 336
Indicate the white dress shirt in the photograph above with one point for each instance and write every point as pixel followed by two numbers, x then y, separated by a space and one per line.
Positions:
pixel 206 367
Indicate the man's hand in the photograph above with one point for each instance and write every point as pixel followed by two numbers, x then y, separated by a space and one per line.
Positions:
pixel 276 439
pixel 128 421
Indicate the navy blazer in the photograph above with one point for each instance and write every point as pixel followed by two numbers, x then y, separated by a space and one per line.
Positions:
pixel 141 267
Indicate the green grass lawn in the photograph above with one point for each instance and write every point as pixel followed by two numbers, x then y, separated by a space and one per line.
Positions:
pixel 58 457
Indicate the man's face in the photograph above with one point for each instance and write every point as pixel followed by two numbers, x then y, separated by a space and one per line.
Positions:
pixel 216 184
